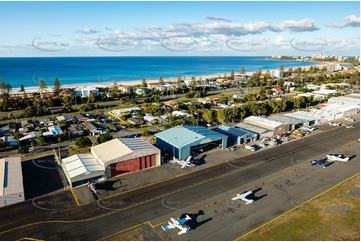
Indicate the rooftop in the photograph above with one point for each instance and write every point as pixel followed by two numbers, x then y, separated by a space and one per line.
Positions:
pixel 81 164
pixel 182 135
pixel 264 121
pixel 121 149
pixel 11 181
pixel 252 128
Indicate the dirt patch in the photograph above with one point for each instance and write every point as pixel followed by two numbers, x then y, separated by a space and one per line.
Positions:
pixel 344 208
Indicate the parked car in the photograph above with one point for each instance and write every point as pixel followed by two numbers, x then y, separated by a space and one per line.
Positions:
pixel 299 133
pixel 351 119
pixel 232 148
pixel 308 128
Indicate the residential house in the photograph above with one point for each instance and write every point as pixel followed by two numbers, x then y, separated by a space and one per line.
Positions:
pixel 13 126
pixel 179 113
pixel 45 122
pixel 66 92
pixel 135 120
pixel 17 95
pixel 46 94
pixel 118 113
pixel 63 118
pixel 151 119
pixel 86 90
pixel 153 85
pixel 29 137
pixel 9 140
pixel 125 89
pixel 53 130
pixel 93 128
pixel 277 91
pixel 171 103
pixel 81 118
pixel 76 130
pixel 142 91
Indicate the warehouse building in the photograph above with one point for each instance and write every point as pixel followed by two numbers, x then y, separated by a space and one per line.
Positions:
pixel 126 155
pixel 11 181
pixel 236 136
pixel 182 140
pixel 261 132
pixel 81 168
pixel 308 118
pixel 293 122
pixel 352 99
pixel 276 126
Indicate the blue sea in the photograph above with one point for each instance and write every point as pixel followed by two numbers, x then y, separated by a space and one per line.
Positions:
pixel 81 70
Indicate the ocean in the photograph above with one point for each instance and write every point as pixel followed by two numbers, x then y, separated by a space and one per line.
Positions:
pixel 81 70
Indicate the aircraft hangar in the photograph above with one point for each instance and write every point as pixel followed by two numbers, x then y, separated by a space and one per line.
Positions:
pixel 188 140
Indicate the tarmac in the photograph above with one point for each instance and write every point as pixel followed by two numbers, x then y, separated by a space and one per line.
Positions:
pixel 281 177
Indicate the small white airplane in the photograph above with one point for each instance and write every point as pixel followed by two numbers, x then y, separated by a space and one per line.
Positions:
pixel 177 223
pixel 334 124
pixel 243 197
pixel 183 163
pixel 349 126
pixel 337 157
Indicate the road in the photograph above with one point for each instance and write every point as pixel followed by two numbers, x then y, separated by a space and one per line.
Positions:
pixel 204 190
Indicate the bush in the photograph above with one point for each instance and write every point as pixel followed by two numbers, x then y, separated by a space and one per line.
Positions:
pixel 104 138
pixel 83 142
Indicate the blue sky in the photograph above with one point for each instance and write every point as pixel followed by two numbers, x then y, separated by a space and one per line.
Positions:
pixel 179 28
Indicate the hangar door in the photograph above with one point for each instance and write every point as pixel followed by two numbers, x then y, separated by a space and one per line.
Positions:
pixel 132 165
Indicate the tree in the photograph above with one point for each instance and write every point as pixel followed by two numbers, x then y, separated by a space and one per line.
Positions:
pixel 57 86
pixel 2 86
pixel 242 71
pixel 208 116
pixel 231 77
pixel 179 80
pixel 161 80
pixel 17 136
pixel 91 97
pixel 192 108
pixel 282 67
pixel 104 138
pixel 222 116
pixel 144 82
pixel 146 132
pixel 22 88
pixel 50 102
pixel 83 141
pixel 30 111
pixel 42 84
pixel 40 140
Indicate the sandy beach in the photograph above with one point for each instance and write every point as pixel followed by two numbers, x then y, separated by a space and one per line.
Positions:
pixel 138 82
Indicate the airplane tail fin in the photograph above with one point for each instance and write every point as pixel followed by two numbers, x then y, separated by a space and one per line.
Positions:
pixel 187 217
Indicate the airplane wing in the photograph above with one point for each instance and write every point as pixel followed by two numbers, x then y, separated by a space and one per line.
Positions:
pixel 184 230
pixel 183 220
pixel 167 227
pixel 188 159
pixel 241 196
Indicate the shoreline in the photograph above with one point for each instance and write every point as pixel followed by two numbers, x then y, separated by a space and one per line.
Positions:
pixel 166 80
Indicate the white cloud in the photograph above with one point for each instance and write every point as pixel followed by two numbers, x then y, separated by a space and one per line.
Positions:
pixel 303 25
pixel 217 18
pixel 87 31
pixel 349 21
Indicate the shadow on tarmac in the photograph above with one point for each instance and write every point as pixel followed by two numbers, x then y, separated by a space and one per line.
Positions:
pixel 193 223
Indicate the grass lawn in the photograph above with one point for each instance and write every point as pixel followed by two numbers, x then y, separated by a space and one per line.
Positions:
pixel 77 150
pixel 334 215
